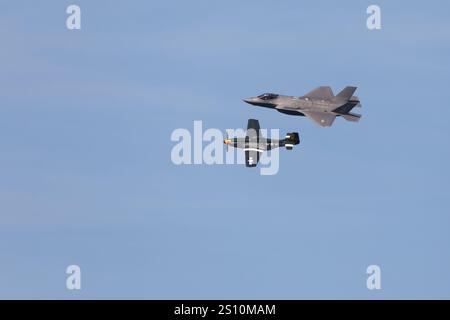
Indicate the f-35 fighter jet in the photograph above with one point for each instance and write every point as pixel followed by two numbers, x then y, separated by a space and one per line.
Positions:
pixel 320 104
pixel 254 143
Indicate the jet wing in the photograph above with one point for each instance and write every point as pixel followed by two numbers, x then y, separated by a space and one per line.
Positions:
pixel 324 93
pixel 321 118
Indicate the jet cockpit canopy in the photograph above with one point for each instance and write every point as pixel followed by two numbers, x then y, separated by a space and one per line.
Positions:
pixel 268 96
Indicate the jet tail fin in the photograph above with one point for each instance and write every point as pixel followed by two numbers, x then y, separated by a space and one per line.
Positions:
pixel 346 93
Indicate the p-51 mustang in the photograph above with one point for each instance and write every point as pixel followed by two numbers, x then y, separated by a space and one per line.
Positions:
pixel 320 104
pixel 254 143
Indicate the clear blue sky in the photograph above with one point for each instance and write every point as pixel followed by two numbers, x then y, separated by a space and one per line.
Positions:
pixel 86 176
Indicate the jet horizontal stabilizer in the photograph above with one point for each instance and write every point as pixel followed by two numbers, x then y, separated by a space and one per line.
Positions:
pixel 352 117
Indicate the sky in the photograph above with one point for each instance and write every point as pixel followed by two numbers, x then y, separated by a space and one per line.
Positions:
pixel 86 176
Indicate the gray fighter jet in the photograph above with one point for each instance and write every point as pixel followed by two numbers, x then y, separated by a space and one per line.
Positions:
pixel 320 104
pixel 254 143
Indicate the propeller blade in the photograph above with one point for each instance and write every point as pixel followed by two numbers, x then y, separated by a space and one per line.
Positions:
pixel 227 138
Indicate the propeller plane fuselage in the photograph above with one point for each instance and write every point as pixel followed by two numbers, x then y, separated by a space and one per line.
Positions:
pixel 254 143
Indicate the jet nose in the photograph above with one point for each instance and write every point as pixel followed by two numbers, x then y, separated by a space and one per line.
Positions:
pixel 249 100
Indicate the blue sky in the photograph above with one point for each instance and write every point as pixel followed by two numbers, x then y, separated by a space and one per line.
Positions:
pixel 86 176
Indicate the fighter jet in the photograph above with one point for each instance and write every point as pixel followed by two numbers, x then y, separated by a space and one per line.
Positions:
pixel 320 104
pixel 254 143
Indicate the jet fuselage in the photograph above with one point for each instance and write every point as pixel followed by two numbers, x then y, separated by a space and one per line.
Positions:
pixel 320 105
